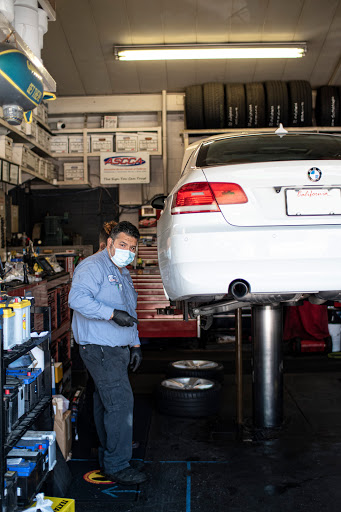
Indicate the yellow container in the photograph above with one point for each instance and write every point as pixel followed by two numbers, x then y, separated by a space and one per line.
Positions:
pixel 61 504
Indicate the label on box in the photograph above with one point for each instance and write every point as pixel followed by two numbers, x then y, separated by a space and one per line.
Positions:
pixel 148 141
pixel 101 143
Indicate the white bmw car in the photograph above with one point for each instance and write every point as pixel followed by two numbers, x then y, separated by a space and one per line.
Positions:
pixel 255 218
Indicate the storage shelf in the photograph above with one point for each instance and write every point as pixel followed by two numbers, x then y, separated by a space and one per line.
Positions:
pixel 73 183
pixel 13 437
pixel 108 130
pixel 17 351
pixel 18 136
pixel 35 174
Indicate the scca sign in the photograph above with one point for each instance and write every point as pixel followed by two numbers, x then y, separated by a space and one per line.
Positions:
pixel 124 161
pixel 118 168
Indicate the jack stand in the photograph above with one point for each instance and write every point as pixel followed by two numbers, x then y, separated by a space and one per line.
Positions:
pixel 267 372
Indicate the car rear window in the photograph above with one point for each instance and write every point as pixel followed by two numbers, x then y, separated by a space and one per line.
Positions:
pixel 269 148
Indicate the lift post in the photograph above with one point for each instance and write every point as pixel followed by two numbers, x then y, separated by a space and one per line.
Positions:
pixel 267 373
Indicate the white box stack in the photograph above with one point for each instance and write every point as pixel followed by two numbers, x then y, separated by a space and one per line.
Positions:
pixel 59 144
pixel 76 144
pixel 6 144
pixel 74 171
pixel 32 161
pixel 51 172
pixel 43 167
pixel 30 129
pixel 101 143
pixel 148 141
pixel 126 142
pixel 19 154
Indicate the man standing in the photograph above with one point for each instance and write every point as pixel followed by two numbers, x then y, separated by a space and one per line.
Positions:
pixel 104 325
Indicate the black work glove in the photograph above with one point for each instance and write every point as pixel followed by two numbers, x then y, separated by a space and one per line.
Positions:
pixel 123 318
pixel 135 358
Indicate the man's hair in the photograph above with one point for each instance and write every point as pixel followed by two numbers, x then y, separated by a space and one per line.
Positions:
pixel 125 227
pixel 106 230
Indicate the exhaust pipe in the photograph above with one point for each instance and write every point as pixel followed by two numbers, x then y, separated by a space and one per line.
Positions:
pixel 239 289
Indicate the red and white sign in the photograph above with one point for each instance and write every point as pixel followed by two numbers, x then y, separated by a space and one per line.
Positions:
pixel 123 168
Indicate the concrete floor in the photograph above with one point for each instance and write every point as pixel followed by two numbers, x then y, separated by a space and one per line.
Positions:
pixel 198 465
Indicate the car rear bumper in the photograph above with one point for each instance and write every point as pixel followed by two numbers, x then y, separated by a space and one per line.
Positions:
pixel 272 260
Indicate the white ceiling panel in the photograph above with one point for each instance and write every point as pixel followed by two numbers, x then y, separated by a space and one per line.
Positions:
pixel 78 48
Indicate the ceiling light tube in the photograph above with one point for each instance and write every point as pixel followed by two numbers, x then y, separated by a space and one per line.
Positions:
pixel 211 51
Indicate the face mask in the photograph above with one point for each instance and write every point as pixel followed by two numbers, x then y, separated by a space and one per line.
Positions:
pixel 122 258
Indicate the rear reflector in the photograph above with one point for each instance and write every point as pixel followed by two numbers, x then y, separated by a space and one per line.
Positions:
pixel 203 197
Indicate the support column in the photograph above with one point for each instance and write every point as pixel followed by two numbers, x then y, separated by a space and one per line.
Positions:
pixel 267 374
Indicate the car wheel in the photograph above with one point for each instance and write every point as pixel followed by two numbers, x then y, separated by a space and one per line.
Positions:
pixel 194 107
pixel 327 109
pixel 276 101
pixel 194 368
pixel 255 105
pixel 214 105
pixel 300 103
pixel 235 106
pixel 188 397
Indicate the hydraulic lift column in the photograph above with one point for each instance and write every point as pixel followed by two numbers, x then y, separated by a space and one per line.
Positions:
pixel 267 374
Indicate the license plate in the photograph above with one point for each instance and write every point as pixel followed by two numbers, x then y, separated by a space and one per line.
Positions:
pixel 314 201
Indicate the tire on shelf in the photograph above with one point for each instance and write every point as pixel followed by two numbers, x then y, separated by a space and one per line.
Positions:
pixel 300 103
pixel 255 105
pixel 195 368
pixel 194 107
pixel 235 106
pixel 276 103
pixel 188 403
pixel 327 111
pixel 214 105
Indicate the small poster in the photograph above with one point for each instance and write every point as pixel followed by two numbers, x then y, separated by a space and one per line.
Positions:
pixel 123 168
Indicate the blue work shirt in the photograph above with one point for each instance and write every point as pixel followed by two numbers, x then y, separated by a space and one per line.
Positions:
pixel 98 287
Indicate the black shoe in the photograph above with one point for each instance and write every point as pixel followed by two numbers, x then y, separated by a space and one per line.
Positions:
pixel 137 464
pixel 127 476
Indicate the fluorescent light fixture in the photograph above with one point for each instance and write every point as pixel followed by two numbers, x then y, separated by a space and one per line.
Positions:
pixel 211 51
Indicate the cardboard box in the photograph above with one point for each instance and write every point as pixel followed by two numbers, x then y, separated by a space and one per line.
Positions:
pixel 62 428
pixel 6 144
pixel 76 144
pixel 61 504
pixel 101 143
pixel 30 129
pixel 59 144
pixel 32 161
pixel 19 154
pixel 58 372
pixel 148 141
pixel 110 122
pixel 126 142
pixel 74 171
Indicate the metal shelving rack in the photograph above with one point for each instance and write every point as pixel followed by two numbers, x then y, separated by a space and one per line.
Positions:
pixel 7 357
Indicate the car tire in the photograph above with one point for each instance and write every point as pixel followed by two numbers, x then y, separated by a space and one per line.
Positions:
pixel 255 105
pixel 327 111
pixel 300 103
pixel 194 107
pixel 214 105
pixel 235 106
pixel 188 403
pixel 276 103
pixel 202 369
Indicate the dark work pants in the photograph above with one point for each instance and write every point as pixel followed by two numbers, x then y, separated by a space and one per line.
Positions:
pixel 113 403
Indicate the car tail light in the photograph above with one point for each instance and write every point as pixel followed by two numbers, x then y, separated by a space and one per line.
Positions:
pixel 228 193
pixel 204 197
pixel 194 198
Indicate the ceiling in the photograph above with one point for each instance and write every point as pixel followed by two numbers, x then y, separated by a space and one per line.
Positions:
pixel 78 47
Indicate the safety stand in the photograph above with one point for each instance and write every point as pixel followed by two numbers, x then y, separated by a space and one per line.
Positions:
pixel 267 372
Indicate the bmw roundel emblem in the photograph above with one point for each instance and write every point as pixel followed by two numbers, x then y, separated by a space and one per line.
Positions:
pixel 314 174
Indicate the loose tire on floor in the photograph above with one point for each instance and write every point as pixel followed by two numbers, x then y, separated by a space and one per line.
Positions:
pixel 235 106
pixel 276 103
pixel 174 399
pixel 194 107
pixel 327 109
pixel 214 105
pixel 300 103
pixel 255 105
pixel 195 368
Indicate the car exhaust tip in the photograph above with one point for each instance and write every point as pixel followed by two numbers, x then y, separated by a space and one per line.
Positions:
pixel 239 289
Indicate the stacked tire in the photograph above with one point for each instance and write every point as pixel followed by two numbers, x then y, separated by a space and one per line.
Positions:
pixel 260 104
pixel 191 389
